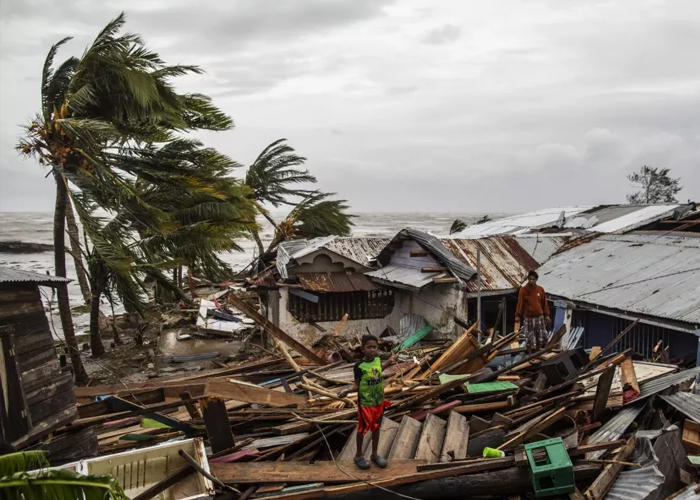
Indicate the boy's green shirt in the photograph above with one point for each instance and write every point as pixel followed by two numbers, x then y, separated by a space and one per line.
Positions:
pixel 368 375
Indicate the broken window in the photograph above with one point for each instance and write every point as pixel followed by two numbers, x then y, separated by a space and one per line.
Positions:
pixel 332 306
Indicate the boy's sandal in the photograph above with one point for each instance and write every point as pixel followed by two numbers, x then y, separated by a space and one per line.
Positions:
pixel 361 463
pixel 380 461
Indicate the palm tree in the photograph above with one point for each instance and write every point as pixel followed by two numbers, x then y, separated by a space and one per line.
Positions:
pixel 17 482
pixel 272 177
pixel 97 110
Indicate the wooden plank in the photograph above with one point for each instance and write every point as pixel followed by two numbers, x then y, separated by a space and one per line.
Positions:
pixel 479 407
pixel 249 393
pixel 604 481
pixel 535 429
pixel 52 405
pixel 406 440
pixel 602 392
pixel 433 269
pixel 387 435
pixel 105 407
pixel 15 401
pixel 501 420
pixel 456 438
pixel 478 424
pixel 60 384
pixel 274 330
pixel 629 376
pixel 217 424
pixel 691 436
pixel 301 426
pixel 10 310
pixel 431 439
pixel 299 472
pixel 418 253
pixel 420 416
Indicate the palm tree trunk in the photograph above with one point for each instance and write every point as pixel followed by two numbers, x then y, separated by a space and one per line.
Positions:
pixel 75 251
pixel 261 251
pixel 98 349
pixel 59 253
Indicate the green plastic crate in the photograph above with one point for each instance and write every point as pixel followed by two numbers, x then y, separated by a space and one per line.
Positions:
pixel 554 473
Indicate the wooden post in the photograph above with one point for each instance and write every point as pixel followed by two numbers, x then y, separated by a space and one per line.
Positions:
pixel 18 421
pixel 602 392
pixel 217 424
pixel 191 408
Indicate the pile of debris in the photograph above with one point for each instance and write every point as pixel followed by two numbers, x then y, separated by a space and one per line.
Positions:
pixel 467 419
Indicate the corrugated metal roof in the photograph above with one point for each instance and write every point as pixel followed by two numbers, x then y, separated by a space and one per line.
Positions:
pixel 407 276
pixel 520 223
pixel 657 385
pixel 438 250
pixel 11 275
pixel 651 275
pixel 336 282
pixel 686 403
pixel 615 427
pixel 688 493
pixel 541 246
pixel 623 218
pixel 638 483
pixel 504 263
pixel 361 250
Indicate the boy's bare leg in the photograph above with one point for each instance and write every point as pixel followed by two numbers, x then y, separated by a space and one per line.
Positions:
pixel 359 440
pixel 375 442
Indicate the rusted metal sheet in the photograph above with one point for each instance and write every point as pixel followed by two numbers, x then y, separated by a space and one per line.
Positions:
pixel 504 262
pixel 360 250
pixel 336 282
pixel 265 279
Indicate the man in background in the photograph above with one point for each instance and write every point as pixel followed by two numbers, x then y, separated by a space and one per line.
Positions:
pixel 534 310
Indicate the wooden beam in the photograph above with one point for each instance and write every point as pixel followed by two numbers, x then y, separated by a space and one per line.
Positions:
pixel 300 472
pixel 274 330
pixel 628 376
pixel 433 269
pixel 446 279
pixel 217 424
pixel 535 429
pixel 602 392
pixel 604 481
pixel 250 393
pixel 419 253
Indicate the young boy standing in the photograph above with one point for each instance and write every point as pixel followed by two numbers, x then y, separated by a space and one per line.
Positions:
pixel 369 384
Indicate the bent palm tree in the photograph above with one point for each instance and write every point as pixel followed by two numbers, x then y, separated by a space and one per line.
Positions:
pixel 98 111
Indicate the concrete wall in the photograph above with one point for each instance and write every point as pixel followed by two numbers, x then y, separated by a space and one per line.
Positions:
pixel 437 304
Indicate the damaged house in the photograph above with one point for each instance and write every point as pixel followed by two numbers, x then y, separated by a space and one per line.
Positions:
pixel 404 283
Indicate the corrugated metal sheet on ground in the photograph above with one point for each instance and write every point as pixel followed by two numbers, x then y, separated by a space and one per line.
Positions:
pixel 615 427
pixel 403 275
pixel 504 263
pixel 686 403
pixel 659 384
pixel 688 493
pixel 651 275
pixel 638 483
pixel 336 282
pixel 520 223
pixel 11 275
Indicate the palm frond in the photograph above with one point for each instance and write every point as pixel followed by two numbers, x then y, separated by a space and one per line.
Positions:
pixel 60 485
pixel 13 463
pixel 47 75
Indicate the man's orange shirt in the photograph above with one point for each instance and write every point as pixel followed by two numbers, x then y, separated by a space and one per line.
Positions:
pixel 532 302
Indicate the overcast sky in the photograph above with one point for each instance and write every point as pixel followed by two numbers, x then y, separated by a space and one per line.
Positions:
pixel 501 105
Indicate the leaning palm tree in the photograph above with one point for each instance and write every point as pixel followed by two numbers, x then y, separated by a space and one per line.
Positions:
pixel 313 217
pixel 25 476
pixel 96 110
pixel 272 177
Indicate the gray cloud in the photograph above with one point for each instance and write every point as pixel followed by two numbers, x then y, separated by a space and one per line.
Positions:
pixel 542 104
pixel 444 34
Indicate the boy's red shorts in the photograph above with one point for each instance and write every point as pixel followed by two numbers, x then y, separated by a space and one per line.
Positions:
pixel 370 417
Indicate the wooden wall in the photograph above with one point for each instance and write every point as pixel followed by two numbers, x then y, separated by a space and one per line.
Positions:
pixel 48 390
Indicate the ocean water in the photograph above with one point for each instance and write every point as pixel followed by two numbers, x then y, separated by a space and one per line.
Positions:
pixel 37 227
